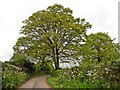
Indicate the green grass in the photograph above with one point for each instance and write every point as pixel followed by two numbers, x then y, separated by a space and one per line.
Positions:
pixel 66 83
pixel 52 81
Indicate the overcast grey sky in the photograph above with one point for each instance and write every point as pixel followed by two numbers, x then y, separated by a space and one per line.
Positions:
pixel 102 14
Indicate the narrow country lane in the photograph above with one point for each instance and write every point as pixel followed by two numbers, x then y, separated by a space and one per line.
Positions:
pixel 36 82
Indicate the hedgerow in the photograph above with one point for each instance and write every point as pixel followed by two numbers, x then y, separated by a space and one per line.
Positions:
pixel 12 76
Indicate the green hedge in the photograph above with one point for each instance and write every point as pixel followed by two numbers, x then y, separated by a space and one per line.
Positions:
pixel 12 76
pixel 88 75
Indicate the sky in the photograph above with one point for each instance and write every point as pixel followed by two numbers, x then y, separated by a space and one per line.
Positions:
pixel 102 14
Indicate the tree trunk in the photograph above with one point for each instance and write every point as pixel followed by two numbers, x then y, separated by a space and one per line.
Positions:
pixel 55 58
pixel 57 66
pixel 55 54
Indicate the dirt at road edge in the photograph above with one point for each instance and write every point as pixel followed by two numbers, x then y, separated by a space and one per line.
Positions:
pixel 36 82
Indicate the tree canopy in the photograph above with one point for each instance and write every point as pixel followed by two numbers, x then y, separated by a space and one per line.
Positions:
pixel 100 47
pixel 52 34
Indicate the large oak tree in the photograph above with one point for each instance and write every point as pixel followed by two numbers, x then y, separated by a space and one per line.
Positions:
pixel 53 34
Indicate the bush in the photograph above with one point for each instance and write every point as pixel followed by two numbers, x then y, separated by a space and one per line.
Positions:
pixel 12 76
pixel 88 75
pixel 46 67
pixel 102 75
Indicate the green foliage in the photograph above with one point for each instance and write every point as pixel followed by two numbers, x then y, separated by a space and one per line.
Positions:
pixel 55 73
pixel 12 76
pixel 48 67
pixel 52 81
pixel 22 62
pixel 102 75
pixel 18 60
pixel 29 66
pixel 100 47
pixel 37 67
pixel 45 67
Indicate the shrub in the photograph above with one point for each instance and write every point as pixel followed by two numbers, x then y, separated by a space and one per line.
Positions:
pixel 46 67
pixel 12 76
pixel 89 75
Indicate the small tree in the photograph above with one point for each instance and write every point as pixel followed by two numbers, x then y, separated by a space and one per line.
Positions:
pixel 100 47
